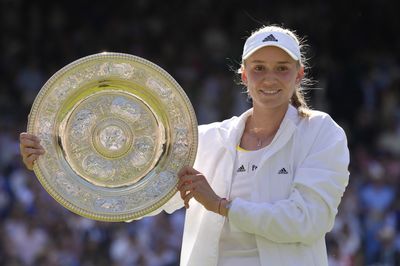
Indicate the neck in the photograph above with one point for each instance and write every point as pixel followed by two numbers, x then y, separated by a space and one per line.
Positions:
pixel 261 127
pixel 265 122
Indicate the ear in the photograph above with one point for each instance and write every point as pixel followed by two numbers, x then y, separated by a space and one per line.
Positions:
pixel 300 75
pixel 243 75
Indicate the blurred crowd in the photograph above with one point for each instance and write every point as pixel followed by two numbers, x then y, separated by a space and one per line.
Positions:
pixel 354 62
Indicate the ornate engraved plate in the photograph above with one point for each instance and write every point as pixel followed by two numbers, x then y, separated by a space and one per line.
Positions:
pixel 116 129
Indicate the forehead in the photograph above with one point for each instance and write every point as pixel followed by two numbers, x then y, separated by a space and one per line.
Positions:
pixel 270 54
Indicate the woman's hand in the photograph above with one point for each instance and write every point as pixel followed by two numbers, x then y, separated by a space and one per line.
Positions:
pixel 30 148
pixel 193 184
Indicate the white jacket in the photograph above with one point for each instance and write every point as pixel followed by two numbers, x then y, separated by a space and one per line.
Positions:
pixel 289 213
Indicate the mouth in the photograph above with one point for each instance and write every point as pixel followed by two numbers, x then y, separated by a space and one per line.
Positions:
pixel 269 91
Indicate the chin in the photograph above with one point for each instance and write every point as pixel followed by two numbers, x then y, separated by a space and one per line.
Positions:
pixel 269 104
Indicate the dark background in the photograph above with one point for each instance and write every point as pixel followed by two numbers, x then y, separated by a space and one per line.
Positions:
pixel 354 60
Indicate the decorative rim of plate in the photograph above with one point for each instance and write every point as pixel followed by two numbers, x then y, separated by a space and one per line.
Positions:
pixel 34 114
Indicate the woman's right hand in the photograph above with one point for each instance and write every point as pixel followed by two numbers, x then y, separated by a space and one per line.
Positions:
pixel 30 148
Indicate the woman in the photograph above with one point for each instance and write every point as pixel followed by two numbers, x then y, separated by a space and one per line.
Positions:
pixel 266 185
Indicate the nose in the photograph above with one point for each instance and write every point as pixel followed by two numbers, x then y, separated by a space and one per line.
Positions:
pixel 269 78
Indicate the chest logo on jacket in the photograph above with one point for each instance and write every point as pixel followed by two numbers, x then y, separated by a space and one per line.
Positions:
pixel 283 171
pixel 243 169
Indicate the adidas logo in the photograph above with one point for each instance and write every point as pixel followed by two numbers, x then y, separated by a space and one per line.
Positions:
pixel 241 169
pixel 283 172
pixel 270 38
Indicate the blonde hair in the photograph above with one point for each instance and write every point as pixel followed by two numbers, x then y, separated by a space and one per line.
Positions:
pixel 298 98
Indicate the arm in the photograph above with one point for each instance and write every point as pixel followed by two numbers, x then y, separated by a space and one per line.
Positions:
pixel 309 211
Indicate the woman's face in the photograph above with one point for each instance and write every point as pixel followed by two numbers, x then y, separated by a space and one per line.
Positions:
pixel 271 77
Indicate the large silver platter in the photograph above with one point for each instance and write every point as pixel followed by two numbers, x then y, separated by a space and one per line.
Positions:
pixel 116 129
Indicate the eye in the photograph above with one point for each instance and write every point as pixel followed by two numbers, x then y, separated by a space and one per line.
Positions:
pixel 282 68
pixel 259 67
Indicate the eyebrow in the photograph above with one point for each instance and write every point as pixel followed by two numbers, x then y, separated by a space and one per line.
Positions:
pixel 262 61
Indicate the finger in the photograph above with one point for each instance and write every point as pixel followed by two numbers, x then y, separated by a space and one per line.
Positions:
pixel 29 151
pixel 184 194
pixel 183 180
pixel 188 179
pixel 29 161
pixel 187 187
pixel 187 170
pixel 30 143
pixel 28 136
pixel 187 199
pixel 183 171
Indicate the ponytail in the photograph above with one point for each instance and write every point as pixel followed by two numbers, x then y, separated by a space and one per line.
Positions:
pixel 299 102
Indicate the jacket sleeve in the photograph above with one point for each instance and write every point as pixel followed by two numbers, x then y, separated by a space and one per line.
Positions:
pixel 309 211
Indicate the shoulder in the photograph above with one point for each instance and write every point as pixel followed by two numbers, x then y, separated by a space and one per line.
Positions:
pixel 316 116
pixel 212 128
pixel 322 125
pixel 320 119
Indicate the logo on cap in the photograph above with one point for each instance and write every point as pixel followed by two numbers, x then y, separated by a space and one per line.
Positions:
pixel 270 38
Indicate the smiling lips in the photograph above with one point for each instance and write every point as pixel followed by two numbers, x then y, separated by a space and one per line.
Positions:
pixel 269 91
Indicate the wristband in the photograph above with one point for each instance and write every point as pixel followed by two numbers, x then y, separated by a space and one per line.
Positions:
pixel 219 205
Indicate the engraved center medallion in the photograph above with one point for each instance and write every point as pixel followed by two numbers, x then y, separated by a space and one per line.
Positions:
pixel 112 137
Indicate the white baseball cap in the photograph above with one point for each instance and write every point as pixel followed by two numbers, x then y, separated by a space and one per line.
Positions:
pixel 272 38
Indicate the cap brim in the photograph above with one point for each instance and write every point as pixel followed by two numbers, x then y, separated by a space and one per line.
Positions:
pixel 271 44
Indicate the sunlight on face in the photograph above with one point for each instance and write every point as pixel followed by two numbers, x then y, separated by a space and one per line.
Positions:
pixel 271 77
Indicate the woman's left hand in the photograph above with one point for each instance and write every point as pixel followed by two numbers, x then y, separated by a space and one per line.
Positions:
pixel 193 184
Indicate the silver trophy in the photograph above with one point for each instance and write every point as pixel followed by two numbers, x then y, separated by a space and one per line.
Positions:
pixel 116 129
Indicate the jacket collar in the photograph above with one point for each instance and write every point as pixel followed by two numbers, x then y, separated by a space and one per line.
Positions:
pixel 231 132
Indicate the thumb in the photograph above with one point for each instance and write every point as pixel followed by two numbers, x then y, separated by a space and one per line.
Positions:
pixel 187 170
